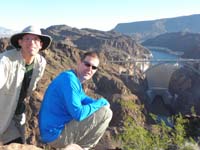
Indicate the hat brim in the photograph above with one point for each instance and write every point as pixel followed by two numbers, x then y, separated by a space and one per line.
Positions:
pixel 45 39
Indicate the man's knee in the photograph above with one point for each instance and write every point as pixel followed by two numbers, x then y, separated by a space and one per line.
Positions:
pixel 106 111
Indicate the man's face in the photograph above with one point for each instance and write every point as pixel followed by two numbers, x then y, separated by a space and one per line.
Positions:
pixel 87 68
pixel 30 45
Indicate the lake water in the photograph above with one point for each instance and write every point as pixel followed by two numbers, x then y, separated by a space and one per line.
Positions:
pixel 162 54
pixel 157 54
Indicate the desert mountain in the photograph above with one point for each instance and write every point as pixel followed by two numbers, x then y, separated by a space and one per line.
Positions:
pixel 4 32
pixel 143 30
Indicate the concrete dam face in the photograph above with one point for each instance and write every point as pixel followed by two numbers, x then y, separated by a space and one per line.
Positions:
pixel 158 78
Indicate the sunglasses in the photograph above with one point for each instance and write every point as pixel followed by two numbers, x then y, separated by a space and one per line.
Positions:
pixel 87 64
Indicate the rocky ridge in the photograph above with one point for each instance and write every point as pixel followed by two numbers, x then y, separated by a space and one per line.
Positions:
pixel 143 30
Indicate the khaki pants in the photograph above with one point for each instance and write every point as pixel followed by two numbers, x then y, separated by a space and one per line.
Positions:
pixel 14 130
pixel 86 133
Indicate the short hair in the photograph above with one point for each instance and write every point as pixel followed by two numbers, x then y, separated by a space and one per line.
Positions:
pixel 91 53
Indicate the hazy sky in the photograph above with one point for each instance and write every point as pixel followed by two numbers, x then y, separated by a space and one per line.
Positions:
pixel 96 14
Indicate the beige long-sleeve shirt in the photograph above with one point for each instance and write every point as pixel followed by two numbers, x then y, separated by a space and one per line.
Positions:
pixel 12 69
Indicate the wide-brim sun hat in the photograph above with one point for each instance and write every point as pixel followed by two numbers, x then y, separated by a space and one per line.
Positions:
pixel 45 39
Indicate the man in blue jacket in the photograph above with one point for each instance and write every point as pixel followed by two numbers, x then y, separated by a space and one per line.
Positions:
pixel 67 114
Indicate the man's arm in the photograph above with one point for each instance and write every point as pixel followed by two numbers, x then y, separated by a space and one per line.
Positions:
pixel 87 100
pixel 73 93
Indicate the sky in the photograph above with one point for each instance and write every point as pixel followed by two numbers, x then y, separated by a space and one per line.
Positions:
pixel 101 15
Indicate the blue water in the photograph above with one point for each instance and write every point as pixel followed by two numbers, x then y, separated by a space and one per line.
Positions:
pixel 163 55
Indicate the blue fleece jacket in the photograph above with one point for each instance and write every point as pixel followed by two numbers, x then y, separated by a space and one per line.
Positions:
pixel 65 100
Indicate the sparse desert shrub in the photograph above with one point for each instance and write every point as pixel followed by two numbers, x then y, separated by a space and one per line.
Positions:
pixel 160 137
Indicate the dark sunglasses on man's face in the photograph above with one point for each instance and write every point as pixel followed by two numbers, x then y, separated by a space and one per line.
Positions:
pixel 87 64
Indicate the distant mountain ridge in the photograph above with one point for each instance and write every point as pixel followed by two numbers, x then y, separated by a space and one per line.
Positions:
pixel 143 30
pixel 4 32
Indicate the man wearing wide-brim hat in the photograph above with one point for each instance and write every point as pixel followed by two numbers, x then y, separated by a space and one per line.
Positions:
pixel 20 70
